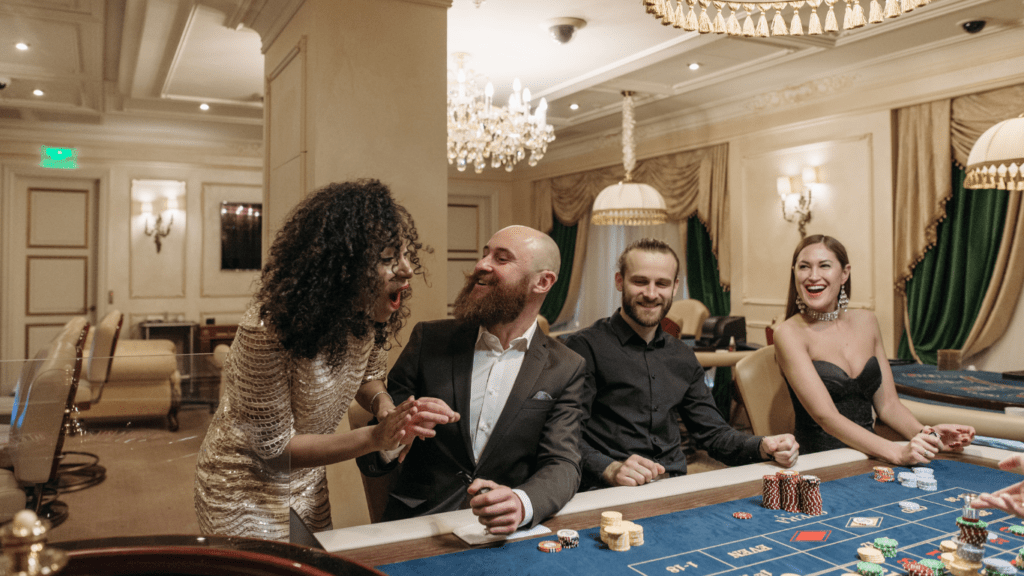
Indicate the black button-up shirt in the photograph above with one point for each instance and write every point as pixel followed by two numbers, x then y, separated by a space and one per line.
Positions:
pixel 635 394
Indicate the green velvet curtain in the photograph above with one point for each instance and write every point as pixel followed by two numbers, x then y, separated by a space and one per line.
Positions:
pixel 565 237
pixel 948 286
pixel 702 281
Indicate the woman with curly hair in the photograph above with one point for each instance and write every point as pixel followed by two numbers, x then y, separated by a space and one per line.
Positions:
pixel 331 297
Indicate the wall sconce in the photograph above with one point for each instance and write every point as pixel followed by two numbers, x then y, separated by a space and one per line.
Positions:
pixel 158 229
pixel 795 191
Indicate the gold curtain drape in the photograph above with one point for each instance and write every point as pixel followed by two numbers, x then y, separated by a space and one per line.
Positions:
pixel 923 183
pixel 692 182
pixel 929 137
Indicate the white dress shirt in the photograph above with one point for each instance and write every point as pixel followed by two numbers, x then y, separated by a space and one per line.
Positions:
pixel 494 372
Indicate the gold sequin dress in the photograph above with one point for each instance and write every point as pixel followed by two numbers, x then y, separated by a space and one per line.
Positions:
pixel 269 397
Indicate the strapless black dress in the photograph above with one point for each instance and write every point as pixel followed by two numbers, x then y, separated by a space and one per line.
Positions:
pixel 852 397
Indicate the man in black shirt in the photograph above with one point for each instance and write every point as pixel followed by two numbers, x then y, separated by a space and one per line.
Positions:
pixel 639 379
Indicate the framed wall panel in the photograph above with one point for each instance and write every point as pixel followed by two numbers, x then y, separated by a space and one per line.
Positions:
pixel 56 285
pixel 58 218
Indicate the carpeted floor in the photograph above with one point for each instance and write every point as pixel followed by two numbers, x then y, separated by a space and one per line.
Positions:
pixel 148 487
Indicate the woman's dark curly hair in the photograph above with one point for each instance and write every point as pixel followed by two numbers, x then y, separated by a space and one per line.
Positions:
pixel 321 279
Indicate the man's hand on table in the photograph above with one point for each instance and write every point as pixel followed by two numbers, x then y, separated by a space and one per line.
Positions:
pixel 635 471
pixel 498 507
pixel 782 448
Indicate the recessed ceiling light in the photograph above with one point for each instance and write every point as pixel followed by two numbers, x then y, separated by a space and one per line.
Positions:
pixel 38 92
pixel 204 106
pixel 21 46
pixel 574 106
pixel 694 65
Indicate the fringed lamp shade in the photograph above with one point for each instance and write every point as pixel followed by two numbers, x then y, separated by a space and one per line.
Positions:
pixel 997 158
pixel 629 204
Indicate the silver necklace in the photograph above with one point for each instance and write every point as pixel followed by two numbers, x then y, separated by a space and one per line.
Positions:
pixel 832 316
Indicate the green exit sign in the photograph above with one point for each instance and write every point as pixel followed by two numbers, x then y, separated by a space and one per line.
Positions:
pixel 60 158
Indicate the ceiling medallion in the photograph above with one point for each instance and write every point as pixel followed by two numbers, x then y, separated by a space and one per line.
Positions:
pixel 685 15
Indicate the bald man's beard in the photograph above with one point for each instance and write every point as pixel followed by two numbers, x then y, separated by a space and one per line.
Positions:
pixel 501 305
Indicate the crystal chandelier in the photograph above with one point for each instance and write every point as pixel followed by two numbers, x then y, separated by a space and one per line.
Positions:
pixel 724 21
pixel 478 130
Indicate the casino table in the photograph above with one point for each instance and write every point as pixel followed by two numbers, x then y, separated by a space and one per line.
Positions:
pixel 971 388
pixel 689 520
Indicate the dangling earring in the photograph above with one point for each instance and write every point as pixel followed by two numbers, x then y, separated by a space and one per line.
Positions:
pixel 843 300
pixel 800 303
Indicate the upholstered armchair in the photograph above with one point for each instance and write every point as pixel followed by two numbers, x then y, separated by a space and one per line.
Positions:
pixel 42 403
pixel 129 379
pixel 685 318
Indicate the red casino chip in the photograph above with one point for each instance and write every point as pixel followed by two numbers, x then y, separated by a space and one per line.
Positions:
pixel 549 546
pixel 742 515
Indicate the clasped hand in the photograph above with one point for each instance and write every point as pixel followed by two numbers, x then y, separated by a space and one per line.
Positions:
pixel 931 440
pixel 410 420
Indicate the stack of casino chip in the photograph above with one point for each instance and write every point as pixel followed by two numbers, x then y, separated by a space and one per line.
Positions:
pixel 917 569
pixel 936 566
pixel 887 546
pixel 871 554
pixel 907 479
pixel 947 546
pixel 568 538
pixel 636 534
pixel 884 474
pixel 770 498
pixel 810 495
pixel 947 559
pixel 966 560
pixel 1016 530
pixel 1020 558
pixel 972 531
pixel 789 491
pixel 927 483
pixel 999 567
pixel 869 569
pixel 549 546
pixel 617 537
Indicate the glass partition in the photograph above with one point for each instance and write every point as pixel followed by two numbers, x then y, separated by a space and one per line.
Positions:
pixel 126 453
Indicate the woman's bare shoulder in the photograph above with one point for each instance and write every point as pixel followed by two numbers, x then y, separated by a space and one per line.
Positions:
pixel 790 332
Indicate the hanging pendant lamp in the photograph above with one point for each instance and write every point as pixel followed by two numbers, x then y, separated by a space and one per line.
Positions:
pixel 629 203
pixel 997 158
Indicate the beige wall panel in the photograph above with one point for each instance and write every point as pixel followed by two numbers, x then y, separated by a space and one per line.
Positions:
pixel 852 202
pixel 214 281
pixel 38 336
pixel 56 285
pixel 284 192
pixel 58 218
pixel 158 274
pixel 463 228
pixel 285 108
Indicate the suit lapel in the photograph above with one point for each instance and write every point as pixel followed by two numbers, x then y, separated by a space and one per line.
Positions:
pixel 524 387
pixel 463 345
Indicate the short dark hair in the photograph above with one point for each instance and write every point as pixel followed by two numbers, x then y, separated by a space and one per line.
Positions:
pixel 321 277
pixel 647 245
pixel 835 246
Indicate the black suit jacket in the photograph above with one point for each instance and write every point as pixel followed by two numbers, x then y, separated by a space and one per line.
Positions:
pixel 535 443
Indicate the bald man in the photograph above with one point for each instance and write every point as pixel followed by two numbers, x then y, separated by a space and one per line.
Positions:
pixel 513 397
